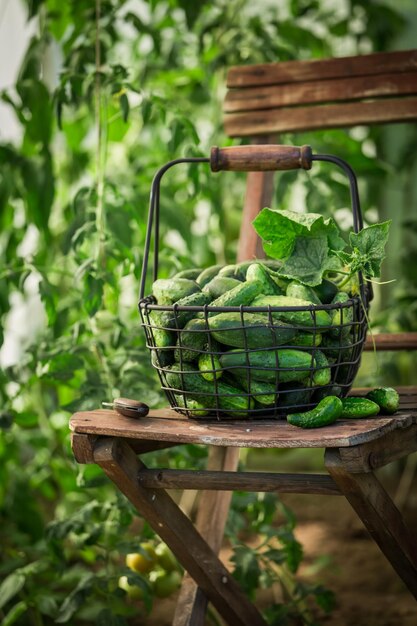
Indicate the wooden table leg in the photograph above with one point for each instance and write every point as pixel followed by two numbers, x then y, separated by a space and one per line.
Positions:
pixel 379 515
pixel 211 520
pixel 121 465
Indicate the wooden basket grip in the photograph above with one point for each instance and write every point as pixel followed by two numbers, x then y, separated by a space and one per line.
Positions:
pixel 260 158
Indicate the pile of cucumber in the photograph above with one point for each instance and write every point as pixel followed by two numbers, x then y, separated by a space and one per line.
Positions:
pixel 244 364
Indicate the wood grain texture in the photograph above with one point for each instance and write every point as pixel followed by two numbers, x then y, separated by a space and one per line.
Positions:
pixel 121 465
pixel 380 516
pixel 260 158
pixel 259 191
pixel 391 342
pixel 311 118
pixel 342 67
pixel 211 520
pixel 166 425
pixel 320 91
pixel 242 481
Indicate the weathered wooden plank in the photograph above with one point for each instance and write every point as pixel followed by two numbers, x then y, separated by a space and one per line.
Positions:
pixel 259 190
pixel 320 117
pixel 320 91
pixel 211 520
pixel 242 481
pixel 392 341
pixel 374 454
pixel 380 516
pixel 166 425
pixel 295 71
pixel 121 465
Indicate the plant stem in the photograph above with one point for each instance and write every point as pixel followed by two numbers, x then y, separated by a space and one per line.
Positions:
pixel 100 153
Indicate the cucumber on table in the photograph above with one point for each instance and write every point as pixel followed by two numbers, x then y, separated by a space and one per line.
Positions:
pixel 257 332
pixel 326 412
pixel 386 398
pixel 295 364
pixel 298 318
pixel 359 407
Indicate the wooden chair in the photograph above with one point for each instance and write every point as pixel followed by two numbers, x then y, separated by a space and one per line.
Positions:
pixel 264 100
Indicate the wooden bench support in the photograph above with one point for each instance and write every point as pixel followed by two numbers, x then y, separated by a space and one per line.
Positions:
pixel 122 466
pixel 379 515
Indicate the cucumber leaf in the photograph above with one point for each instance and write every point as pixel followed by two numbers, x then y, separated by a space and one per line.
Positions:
pixel 368 249
pixel 305 242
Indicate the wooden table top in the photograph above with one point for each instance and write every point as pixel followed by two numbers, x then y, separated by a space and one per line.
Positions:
pixel 167 425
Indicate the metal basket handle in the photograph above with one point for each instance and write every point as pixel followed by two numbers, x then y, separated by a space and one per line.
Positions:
pixel 249 159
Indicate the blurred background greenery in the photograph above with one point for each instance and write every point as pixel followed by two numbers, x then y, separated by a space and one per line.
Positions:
pixel 107 91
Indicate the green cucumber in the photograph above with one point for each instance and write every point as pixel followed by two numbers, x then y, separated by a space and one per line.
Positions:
pixel 229 398
pixel 256 271
pixel 307 339
pixel 292 395
pixel 219 285
pixel 299 318
pixel 326 291
pixel 170 290
pixel 233 271
pixel 322 374
pixel 182 317
pixel 302 292
pixel 163 339
pixel 342 318
pixel 281 282
pixel 257 332
pixel 359 407
pixel 337 349
pixel 328 390
pixel 263 392
pixel 207 275
pixel 292 364
pixel 209 366
pixel 191 340
pixel 242 294
pixel 386 398
pixel 326 412
pixel 194 408
pixel 191 274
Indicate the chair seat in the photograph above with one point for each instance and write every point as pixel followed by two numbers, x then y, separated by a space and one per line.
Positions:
pixel 166 425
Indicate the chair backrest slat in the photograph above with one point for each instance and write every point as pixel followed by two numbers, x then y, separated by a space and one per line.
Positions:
pixel 311 95
pixel 302 71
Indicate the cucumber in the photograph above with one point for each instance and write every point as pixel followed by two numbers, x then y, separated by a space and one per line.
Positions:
pixel 309 340
pixel 359 407
pixel 342 316
pixel 208 274
pixel 322 374
pixel 297 364
pixel 302 292
pixel 326 412
pixel 230 399
pixel 163 339
pixel 337 349
pixel 386 398
pixel 191 340
pixel 242 294
pixel 210 366
pixel 293 395
pixel 191 274
pixel 256 271
pixel 299 318
pixel 328 390
pixel 169 290
pixel 276 277
pixel 257 333
pixel 326 291
pixel 219 285
pixel 182 317
pixel 233 271
pixel 194 408
pixel 263 392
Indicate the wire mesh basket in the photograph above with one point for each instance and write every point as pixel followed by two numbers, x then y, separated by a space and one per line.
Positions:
pixel 262 361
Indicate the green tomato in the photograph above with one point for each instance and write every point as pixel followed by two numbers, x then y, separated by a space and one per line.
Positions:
pixel 133 591
pixel 142 562
pixel 166 583
pixel 166 558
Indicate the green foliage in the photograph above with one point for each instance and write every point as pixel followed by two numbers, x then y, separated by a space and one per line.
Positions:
pixel 135 89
